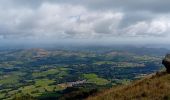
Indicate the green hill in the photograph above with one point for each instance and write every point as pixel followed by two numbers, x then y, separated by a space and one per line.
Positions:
pixel 153 87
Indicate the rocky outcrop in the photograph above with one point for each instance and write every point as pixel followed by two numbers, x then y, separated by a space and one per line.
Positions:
pixel 166 62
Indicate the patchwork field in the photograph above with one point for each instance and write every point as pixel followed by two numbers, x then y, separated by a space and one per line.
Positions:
pixel 38 73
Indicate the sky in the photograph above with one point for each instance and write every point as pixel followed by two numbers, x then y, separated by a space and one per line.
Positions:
pixel 79 21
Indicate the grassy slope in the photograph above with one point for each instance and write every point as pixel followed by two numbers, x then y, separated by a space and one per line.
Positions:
pixel 154 87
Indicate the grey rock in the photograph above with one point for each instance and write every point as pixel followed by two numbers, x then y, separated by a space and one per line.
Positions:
pixel 166 62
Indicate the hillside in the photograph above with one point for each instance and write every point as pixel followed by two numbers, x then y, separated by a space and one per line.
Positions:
pixel 153 87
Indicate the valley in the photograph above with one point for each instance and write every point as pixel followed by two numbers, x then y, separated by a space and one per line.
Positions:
pixel 71 74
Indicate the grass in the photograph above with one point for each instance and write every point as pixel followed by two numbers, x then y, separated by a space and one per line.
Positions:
pixel 40 87
pixel 103 62
pixel 45 73
pixel 122 81
pixel 156 87
pixel 93 78
pixel 10 79
pixel 60 71
pixel 120 64
pixel 43 82
pixel 2 95
pixel 147 58
pixel 27 89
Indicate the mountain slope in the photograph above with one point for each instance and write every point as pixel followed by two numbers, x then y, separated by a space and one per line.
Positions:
pixel 154 87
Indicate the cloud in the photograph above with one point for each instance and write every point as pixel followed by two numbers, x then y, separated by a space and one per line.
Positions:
pixel 89 19
pixel 157 6
pixel 59 21
pixel 156 27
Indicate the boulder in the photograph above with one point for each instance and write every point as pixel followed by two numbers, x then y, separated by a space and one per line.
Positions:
pixel 166 62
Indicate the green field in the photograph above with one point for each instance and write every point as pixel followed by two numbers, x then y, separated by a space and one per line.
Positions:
pixel 93 78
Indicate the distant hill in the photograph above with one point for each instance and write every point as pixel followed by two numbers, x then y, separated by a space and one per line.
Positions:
pixel 153 87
